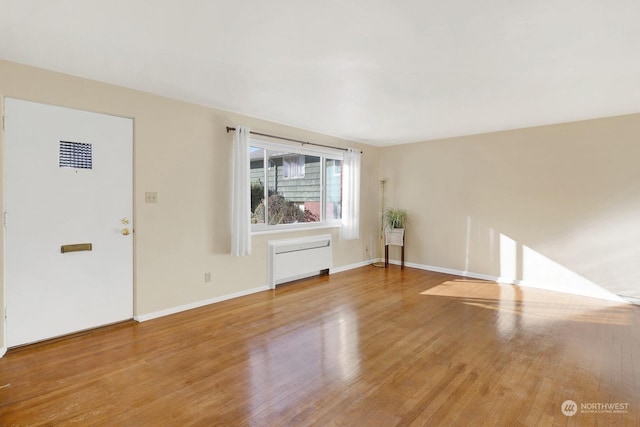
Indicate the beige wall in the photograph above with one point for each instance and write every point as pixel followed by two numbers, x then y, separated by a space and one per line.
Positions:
pixel 183 152
pixel 553 206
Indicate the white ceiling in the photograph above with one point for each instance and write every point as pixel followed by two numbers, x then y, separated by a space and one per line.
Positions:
pixel 380 72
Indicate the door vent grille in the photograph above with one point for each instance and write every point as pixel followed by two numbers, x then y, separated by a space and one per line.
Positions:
pixel 76 155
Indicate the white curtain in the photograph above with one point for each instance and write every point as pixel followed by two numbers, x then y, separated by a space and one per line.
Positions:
pixel 241 194
pixel 351 195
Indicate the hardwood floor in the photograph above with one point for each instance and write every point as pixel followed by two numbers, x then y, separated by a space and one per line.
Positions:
pixel 365 347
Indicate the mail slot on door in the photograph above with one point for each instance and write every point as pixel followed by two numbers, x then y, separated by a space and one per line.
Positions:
pixel 78 247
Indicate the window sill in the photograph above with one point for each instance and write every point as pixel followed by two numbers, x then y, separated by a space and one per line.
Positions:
pixel 294 228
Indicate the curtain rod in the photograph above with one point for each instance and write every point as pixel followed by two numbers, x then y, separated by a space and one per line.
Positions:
pixel 229 129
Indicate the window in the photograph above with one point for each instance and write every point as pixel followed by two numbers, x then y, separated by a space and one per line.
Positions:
pixel 293 167
pixel 294 189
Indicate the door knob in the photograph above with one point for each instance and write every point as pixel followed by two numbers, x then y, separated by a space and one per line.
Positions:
pixel 125 232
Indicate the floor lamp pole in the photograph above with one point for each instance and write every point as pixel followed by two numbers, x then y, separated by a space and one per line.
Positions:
pixel 381 228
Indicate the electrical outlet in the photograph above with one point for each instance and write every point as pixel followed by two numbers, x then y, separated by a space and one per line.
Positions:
pixel 207 277
pixel 151 197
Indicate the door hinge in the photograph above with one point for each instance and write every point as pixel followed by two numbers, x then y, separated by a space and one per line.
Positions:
pixel 4 219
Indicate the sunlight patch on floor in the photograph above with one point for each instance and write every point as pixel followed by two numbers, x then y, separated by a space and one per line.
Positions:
pixel 532 305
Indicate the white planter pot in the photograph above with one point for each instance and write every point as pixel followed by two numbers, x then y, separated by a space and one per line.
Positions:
pixel 394 236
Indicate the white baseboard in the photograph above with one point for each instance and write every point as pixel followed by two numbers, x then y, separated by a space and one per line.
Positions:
pixel 632 300
pixel 446 270
pixel 352 266
pixel 3 351
pixel 606 295
pixel 178 309
pixel 469 274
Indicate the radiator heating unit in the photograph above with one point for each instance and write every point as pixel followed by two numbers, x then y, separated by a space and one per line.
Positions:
pixel 294 259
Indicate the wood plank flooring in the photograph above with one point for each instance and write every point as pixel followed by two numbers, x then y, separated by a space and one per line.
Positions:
pixel 367 347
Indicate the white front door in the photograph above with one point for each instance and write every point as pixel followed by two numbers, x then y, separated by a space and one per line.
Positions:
pixel 68 221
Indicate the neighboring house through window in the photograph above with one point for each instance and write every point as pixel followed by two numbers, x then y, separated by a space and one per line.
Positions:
pixel 294 189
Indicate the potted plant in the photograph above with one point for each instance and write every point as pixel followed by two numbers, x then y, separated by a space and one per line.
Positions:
pixel 395 221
